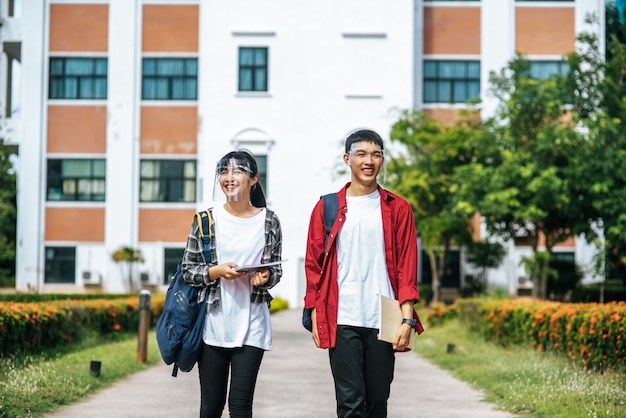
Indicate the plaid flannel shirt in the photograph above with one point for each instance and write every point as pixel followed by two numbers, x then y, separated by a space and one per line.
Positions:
pixel 196 268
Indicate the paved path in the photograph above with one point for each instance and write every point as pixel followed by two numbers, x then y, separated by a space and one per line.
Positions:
pixel 294 382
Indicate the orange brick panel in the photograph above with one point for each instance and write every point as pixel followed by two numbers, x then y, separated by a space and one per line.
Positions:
pixel 169 130
pixel 77 129
pixel 446 116
pixel 452 30
pixel 170 28
pixel 544 31
pixel 75 224
pixel 568 243
pixel 79 27
pixel 170 225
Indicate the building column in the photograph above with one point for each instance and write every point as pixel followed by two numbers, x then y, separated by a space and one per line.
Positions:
pixel 497 44
pixel 31 179
pixel 122 150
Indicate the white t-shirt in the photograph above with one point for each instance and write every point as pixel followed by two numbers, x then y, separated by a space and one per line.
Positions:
pixel 361 270
pixel 237 321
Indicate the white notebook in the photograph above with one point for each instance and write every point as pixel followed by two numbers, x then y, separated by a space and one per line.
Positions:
pixel 390 320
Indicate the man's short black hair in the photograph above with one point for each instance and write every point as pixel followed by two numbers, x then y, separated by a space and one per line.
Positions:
pixel 363 135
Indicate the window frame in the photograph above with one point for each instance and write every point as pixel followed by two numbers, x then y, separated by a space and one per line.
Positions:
pixel 57 88
pixel 59 265
pixel 159 180
pixel 66 180
pixel 189 75
pixel 563 68
pixel 171 258
pixel 256 85
pixel 453 82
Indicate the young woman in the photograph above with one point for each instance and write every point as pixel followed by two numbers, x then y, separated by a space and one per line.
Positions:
pixel 237 328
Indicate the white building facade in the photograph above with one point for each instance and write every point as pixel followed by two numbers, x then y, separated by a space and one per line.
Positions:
pixel 125 106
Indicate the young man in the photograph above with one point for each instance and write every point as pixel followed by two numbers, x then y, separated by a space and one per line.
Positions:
pixel 371 251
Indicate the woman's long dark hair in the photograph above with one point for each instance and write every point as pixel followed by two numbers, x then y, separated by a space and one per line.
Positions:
pixel 246 159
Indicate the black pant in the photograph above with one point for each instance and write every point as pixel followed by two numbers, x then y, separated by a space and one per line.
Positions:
pixel 213 367
pixel 362 367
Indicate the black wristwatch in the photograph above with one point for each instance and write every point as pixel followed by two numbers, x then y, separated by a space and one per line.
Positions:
pixel 411 322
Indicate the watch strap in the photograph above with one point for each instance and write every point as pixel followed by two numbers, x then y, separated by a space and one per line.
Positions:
pixel 412 322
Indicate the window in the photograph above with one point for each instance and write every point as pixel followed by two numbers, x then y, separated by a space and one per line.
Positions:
pixel 76 179
pixel 60 265
pixel 542 70
pixel 78 78
pixel 451 272
pixel 171 258
pixel 451 81
pixel 167 181
pixel 169 79
pixel 261 162
pixel 252 69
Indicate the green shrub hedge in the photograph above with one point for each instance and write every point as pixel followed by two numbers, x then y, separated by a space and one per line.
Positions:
pixel 39 322
pixel 29 327
pixel 590 334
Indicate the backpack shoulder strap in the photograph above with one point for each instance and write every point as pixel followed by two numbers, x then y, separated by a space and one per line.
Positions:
pixel 205 223
pixel 331 207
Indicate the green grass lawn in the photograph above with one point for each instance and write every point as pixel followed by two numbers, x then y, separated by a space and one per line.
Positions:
pixel 33 385
pixel 521 380
pixel 518 379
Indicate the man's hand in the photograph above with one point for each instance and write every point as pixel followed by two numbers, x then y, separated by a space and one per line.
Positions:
pixel 314 334
pixel 403 334
pixel 402 338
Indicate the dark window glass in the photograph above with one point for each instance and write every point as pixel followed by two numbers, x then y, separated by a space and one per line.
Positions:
pixel 167 181
pixel 60 265
pixel 171 258
pixel 543 70
pixel 451 81
pixel 452 269
pixel 261 162
pixel 76 180
pixel 169 79
pixel 253 63
pixel 78 78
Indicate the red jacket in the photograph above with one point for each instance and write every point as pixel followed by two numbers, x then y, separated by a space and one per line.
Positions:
pixel 321 269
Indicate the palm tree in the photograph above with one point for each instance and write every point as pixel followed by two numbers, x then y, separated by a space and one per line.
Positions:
pixel 129 256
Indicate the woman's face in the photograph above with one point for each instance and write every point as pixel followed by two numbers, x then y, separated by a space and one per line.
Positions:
pixel 235 182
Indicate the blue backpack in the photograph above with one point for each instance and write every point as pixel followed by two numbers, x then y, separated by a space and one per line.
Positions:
pixel 331 206
pixel 180 326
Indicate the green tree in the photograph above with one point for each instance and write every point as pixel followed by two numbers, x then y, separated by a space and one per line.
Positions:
pixel 128 256
pixel 424 175
pixel 604 158
pixel 485 255
pixel 526 183
pixel 8 216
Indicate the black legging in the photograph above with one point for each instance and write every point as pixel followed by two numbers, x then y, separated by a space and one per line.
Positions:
pixel 214 366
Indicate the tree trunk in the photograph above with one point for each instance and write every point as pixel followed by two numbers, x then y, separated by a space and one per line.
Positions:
pixel 434 275
pixel 131 285
pixel 543 278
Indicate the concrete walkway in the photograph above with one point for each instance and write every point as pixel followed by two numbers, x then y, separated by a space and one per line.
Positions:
pixel 294 382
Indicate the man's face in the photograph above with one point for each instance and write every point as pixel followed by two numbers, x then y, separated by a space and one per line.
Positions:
pixel 365 160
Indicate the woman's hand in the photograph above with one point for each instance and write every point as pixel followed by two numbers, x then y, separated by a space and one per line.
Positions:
pixel 227 271
pixel 260 277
